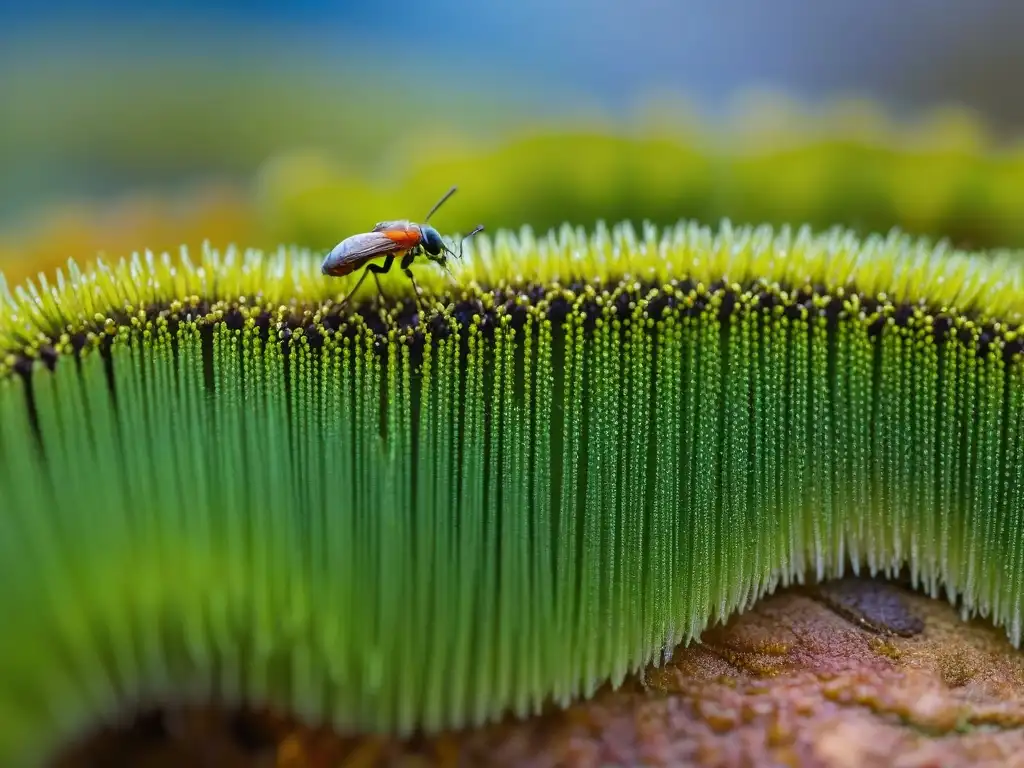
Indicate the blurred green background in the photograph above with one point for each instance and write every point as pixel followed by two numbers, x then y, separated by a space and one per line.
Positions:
pixel 260 123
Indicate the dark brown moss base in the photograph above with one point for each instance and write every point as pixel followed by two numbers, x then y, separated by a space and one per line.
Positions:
pixel 512 305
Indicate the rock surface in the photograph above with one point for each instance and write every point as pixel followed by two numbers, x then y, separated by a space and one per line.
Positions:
pixel 854 673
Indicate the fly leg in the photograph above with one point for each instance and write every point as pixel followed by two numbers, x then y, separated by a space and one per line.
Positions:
pixel 381 269
pixel 406 264
pixel 352 292
pixel 373 269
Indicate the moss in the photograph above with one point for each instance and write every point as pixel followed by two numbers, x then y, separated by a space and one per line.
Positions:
pixel 406 516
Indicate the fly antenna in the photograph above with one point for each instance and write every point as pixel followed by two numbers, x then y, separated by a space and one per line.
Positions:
pixel 479 228
pixel 439 203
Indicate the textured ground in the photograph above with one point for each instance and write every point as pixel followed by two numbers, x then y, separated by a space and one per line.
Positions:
pixel 858 673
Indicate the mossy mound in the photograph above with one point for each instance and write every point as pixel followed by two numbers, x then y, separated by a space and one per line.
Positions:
pixel 221 486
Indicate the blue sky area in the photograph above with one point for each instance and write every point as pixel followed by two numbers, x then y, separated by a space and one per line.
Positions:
pixel 908 53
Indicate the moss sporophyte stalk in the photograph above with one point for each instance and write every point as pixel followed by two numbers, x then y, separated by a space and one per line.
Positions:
pixel 218 485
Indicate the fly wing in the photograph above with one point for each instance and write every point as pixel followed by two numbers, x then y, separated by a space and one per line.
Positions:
pixel 350 254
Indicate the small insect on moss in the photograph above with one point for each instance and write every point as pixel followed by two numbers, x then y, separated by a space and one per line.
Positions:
pixel 391 239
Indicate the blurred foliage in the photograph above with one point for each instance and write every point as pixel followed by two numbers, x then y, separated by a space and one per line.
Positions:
pixel 218 213
pixel 942 177
pixel 112 113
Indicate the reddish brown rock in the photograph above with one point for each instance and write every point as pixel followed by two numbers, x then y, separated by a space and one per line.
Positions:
pixel 858 674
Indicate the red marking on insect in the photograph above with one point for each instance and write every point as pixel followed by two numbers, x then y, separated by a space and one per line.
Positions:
pixel 388 240
pixel 409 237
